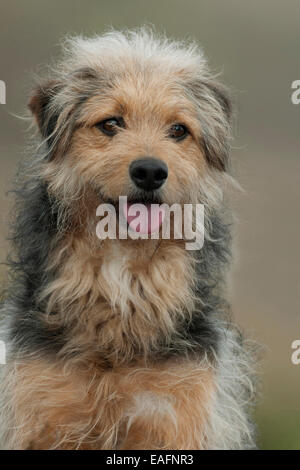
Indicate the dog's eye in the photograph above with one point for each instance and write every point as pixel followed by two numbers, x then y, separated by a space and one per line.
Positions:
pixel 110 126
pixel 178 131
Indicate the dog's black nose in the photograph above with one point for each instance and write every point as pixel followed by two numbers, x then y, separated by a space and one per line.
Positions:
pixel 148 173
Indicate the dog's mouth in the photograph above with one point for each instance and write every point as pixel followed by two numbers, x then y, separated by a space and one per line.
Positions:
pixel 143 215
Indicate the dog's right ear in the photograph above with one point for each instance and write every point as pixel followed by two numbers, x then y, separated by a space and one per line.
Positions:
pixel 41 106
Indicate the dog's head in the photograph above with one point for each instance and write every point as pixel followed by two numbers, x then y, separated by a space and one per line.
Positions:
pixel 132 115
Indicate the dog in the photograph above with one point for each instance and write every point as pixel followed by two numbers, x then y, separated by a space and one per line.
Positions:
pixel 124 343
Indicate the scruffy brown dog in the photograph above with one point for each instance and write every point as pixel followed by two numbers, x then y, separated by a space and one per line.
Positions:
pixel 123 344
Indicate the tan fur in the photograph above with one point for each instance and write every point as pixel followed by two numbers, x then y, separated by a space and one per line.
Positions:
pixel 138 407
pixel 120 298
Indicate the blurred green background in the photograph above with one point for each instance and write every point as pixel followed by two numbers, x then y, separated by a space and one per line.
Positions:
pixel 256 44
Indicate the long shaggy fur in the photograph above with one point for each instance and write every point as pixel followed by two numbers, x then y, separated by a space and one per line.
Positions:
pixel 123 344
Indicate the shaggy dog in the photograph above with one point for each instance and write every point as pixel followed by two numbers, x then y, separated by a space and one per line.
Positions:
pixel 123 344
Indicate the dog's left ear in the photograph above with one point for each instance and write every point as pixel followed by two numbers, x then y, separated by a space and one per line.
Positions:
pixel 215 114
pixel 222 96
pixel 41 106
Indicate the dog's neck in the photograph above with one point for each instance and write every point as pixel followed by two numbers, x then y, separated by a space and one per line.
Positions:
pixel 122 296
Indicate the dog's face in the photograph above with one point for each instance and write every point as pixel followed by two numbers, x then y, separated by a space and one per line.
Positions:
pixel 149 129
pixel 140 140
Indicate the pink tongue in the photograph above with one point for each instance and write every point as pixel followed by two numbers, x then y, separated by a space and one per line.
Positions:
pixel 144 218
